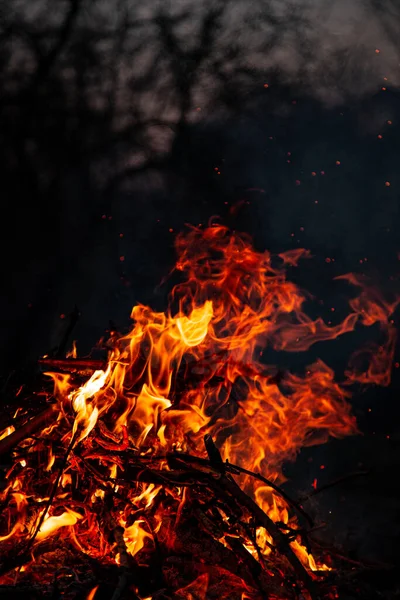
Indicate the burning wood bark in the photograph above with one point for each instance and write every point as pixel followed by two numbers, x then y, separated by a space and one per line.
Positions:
pixel 159 471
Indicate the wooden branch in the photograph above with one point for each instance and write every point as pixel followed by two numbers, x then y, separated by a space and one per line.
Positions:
pixel 236 470
pixel 226 484
pixel 337 481
pixel 48 61
pixel 25 431
pixel 72 364
pixel 21 556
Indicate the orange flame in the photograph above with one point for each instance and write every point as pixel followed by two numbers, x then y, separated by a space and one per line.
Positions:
pixel 92 593
pixel 197 370
pixel 73 353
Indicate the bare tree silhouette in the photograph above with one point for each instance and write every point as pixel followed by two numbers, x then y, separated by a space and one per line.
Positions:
pixel 98 104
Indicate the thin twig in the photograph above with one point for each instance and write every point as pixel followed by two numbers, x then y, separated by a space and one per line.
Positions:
pixel 236 470
pixel 333 483
pixel 53 491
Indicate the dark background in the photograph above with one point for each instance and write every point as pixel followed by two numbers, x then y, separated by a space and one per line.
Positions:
pixel 121 122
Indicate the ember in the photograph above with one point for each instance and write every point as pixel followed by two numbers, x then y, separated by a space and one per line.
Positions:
pixel 159 473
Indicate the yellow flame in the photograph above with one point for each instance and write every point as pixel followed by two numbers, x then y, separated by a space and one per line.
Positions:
pixel 148 494
pixel 307 559
pixel 7 431
pixel 87 412
pixel 194 329
pixel 53 524
pixel 134 537
pixel 51 460
pixel 73 353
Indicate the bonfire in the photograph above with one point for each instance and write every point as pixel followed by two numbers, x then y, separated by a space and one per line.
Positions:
pixel 157 473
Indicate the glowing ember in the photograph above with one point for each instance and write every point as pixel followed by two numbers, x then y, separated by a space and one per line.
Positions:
pixel 107 477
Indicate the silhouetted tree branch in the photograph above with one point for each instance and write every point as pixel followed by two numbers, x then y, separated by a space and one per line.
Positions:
pixel 106 97
pixel 49 59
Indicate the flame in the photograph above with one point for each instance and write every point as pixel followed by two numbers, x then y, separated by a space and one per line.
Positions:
pixel 135 536
pixel 51 460
pixel 87 412
pixel 92 593
pixel 193 329
pixel 73 353
pixel 148 494
pixel 7 431
pixel 308 559
pixel 197 369
pixel 52 524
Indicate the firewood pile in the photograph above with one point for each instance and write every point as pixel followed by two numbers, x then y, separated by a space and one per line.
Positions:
pixel 156 473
